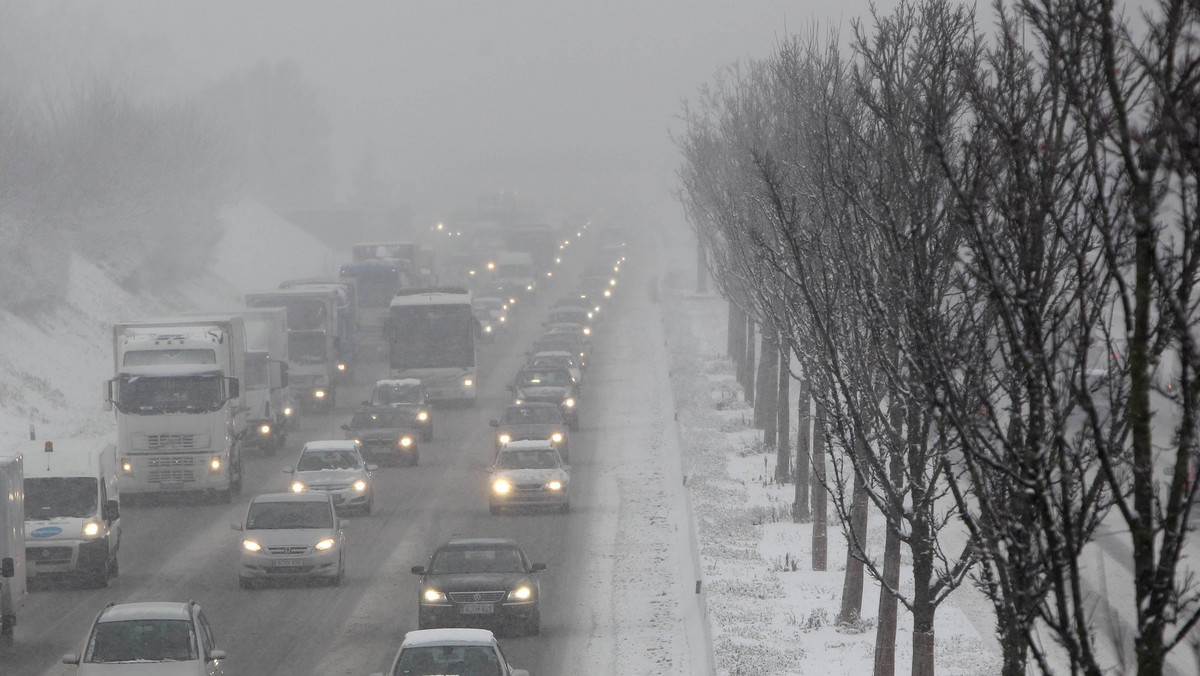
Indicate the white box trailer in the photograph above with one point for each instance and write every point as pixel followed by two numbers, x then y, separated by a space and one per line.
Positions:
pixel 72 508
pixel 12 541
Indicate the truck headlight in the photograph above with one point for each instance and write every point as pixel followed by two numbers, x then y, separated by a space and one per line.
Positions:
pixel 127 466
pixel 557 437
pixel 215 464
pixel 325 545
pixel 251 546
pixel 434 596
pixel 468 382
pixel 298 487
pixel 91 529
pixel 569 402
pixel 555 485
pixel 422 416
pixel 264 429
pixel 501 486
pixel 360 486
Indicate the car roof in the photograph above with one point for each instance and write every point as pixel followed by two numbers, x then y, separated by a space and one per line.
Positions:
pixel 293 497
pixel 533 404
pixel 529 445
pixel 455 636
pixel 552 353
pixel 478 543
pixel 330 445
pixel 397 382
pixel 146 610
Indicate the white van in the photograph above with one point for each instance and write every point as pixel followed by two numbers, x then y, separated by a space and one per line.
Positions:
pixel 72 509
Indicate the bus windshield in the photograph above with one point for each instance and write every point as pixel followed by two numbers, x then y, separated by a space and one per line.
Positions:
pixel 432 336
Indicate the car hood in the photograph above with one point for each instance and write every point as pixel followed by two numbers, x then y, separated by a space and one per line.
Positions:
pixel 189 668
pixel 527 476
pixel 323 477
pixel 381 433
pixel 531 431
pixel 555 394
pixel 477 581
pixel 269 537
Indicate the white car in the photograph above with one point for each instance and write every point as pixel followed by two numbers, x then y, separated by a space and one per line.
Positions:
pixel 557 358
pixel 336 467
pixel 451 651
pixel 155 637
pixel 529 474
pixel 291 535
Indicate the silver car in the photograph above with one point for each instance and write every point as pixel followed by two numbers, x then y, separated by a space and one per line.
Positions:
pixel 336 467
pixel 153 637
pixel 529 474
pixel 291 535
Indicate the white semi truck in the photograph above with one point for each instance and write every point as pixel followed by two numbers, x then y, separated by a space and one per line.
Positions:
pixel 12 541
pixel 72 509
pixel 265 387
pixel 313 341
pixel 180 415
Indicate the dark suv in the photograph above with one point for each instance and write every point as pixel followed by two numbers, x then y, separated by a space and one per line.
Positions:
pixel 532 421
pixel 481 581
pixel 552 385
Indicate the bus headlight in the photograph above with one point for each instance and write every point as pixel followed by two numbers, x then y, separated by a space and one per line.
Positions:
pixel 127 466
pixel 215 464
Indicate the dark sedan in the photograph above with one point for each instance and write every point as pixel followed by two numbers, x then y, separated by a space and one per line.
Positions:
pixel 487 582
pixel 549 384
pixel 386 434
pixel 533 421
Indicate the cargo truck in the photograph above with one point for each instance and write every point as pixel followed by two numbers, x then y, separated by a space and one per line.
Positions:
pixel 176 393
pixel 313 341
pixel 12 541
pixel 347 344
pixel 265 387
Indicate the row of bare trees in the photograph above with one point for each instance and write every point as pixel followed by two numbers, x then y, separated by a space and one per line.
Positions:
pixel 982 254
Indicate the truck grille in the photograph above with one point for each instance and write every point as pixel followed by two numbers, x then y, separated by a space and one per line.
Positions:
pixel 48 554
pixel 164 469
pixel 287 550
pixel 175 442
pixel 477 597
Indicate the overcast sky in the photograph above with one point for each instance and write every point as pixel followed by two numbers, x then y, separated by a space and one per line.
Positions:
pixel 568 103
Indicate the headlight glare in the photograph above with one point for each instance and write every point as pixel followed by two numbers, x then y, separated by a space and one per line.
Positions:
pixel 298 487
pixel 522 593
pixel 423 416
pixel 264 429
pixel 434 596
pixel 215 464
pixel 557 437
pixel 325 545
pixel 555 485
pixel 501 486
pixel 360 486
pixel 319 394
pixel 405 442
pixel 569 402
pixel 251 546
pixel 505 438
pixel 91 529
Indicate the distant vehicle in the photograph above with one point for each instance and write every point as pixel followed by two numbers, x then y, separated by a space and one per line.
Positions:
pixel 154 637
pixel 557 358
pixel 566 341
pixel 537 421
pixel 431 334
pixel 12 541
pixel 550 384
pixel 335 467
pixel 408 394
pixel 386 434
pixel 313 340
pixel 347 314
pixel 483 581
pixel 515 268
pixel 451 651
pixel 72 509
pixel 572 314
pixel 529 474
pixel 291 535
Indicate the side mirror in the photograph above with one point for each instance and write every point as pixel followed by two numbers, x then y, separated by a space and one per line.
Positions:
pixel 108 395
pixel 346 426
pixel 418 570
pixel 537 567
pixel 235 388
pixel 372 468
pixel 8 567
pixel 111 511
pixel 289 469
pixel 494 423
pixel 216 655
pixel 236 525
pixel 70 658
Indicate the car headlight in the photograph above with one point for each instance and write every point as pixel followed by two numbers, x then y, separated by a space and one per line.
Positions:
pixel 298 487
pixel 325 545
pixel 501 486
pixel 590 314
pixel 319 394
pixel 587 330
pixel 529 287
pixel 569 402
pixel 405 442
pixel 505 438
pixel 468 382
pixel 434 596
pixel 91 529
pixel 612 282
pixel 360 486
pixel 518 400
pixel 608 293
pixel 287 411
pixel 555 485
pixel 251 546
pixel 522 593
pixel 557 437
pixel 341 366
pixel 487 329
pixel 264 429
pixel 503 319
pixel 422 416
pixel 215 464
pixel 358 441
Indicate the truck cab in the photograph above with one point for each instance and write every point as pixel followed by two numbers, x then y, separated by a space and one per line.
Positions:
pixel 72 509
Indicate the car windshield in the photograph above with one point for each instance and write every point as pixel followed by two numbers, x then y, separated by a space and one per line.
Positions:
pixel 542 458
pixel 455 560
pixel 142 641
pixel 312 461
pixel 563 360
pixel 381 419
pixel 531 415
pixel 460 660
pixel 273 515
pixel 544 378
pixel 397 394
pixel 53 497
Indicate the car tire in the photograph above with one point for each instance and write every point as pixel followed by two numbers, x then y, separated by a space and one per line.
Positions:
pixel 336 581
pixel 101 574
pixel 533 625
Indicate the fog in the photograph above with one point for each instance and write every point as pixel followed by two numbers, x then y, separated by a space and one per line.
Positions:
pixel 568 104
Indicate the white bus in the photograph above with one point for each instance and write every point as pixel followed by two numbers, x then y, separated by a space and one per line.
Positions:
pixel 431 336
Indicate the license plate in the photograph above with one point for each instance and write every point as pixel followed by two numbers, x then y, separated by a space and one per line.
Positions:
pixel 477 609
pixel 287 563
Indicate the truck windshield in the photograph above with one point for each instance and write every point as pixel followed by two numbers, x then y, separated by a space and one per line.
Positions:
pixel 54 497
pixel 304 314
pixel 170 394
pixel 169 357
pixel 307 347
pixel 257 374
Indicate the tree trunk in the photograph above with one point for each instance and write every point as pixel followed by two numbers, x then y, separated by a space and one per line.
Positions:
pixel 701 269
pixel 748 372
pixel 767 385
pixel 783 418
pixel 734 340
pixel 885 631
pixel 852 587
pixel 820 494
pixel 800 509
